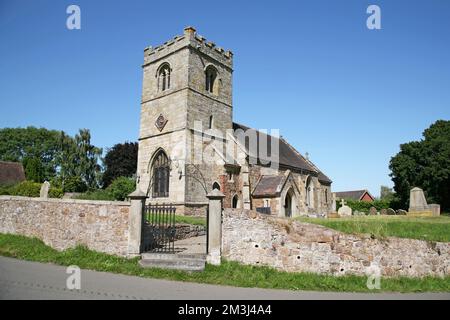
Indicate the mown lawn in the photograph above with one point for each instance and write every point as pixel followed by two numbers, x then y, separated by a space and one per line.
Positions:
pixel 190 220
pixel 229 273
pixel 422 228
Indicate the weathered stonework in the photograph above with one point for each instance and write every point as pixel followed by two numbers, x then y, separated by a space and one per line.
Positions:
pixel 64 223
pixel 288 245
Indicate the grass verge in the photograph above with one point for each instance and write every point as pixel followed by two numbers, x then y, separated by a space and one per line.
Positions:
pixel 229 273
pixel 421 228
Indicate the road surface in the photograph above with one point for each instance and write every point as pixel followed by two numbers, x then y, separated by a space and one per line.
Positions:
pixel 31 280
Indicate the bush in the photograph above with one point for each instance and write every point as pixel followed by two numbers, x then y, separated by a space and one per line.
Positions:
pixel 75 184
pixel 26 189
pixel 30 189
pixel 96 195
pixel 363 206
pixel 121 187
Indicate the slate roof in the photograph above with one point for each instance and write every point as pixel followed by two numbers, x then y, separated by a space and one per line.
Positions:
pixel 11 173
pixel 289 157
pixel 269 186
pixel 352 195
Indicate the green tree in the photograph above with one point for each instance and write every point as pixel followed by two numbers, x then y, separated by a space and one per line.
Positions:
pixel 87 158
pixel 34 170
pixel 17 144
pixel 425 164
pixel 120 161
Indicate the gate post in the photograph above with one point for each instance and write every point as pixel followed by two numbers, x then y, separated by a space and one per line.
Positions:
pixel 135 222
pixel 214 227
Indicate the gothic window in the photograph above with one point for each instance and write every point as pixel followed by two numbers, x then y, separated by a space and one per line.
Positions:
pixel 216 186
pixel 164 77
pixel 235 201
pixel 161 173
pixel 211 75
pixel 211 122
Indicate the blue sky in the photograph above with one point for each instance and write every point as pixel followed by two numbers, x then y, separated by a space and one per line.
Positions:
pixel 345 94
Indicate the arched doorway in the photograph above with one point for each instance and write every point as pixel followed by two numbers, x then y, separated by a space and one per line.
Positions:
pixel 235 201
pixel 288 205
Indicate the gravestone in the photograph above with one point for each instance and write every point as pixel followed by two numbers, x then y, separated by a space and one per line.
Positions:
pixel 44 190
pixel 344 210
pixel 417 201
pixel 418 205
pixel 383 212
pixel 391 212
pixel 401 212
pixel 333 205
pixel 373 211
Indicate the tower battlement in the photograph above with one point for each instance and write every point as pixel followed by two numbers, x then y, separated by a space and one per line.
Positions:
pixel 190 39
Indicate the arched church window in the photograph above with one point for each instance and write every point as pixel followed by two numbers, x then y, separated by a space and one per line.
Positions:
pixel 235 201
pixel 211 122
pixel 216 186
pixel 164 77
pixel 211 75
pixel 161 174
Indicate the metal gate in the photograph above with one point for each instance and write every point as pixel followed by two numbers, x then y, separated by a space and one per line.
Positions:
pixel 158 233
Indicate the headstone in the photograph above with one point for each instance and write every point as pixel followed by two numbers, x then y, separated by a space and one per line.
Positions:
pixel 373 211
pixel 401 212
pixel 44 190
pixel 383 212
pixel 358 213
pixel 344 210
pixel 391 212
pixel 418 205
pixel 417 201
pixel 333 206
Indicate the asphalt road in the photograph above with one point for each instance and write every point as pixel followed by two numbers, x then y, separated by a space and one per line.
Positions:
pixel 30 280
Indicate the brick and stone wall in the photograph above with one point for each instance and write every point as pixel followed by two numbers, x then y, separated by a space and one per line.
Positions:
pixel 289 245
pixel 64 223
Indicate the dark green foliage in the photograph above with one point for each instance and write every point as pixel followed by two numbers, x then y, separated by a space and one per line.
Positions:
pixel 34 170
pixel 121 187
pixel 120 161
pixel 75 184
pixel 30 189
pixel 425 164
pixel 17 144
pixel 363 206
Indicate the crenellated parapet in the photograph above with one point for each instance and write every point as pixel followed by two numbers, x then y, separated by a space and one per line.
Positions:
pixel 190 39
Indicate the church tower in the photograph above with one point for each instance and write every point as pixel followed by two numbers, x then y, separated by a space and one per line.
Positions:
pixel 186 80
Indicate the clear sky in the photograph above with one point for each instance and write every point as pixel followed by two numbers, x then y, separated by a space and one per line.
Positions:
pixel 343 93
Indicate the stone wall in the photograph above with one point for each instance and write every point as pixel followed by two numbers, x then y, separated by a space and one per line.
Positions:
pixel 64 223
pixel 289 245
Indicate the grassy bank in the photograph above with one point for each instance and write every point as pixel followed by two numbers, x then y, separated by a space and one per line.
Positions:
pixel 229 273
pixel 422 228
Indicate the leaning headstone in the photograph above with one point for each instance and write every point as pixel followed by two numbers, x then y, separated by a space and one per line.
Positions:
pixel 401 212
pixel 373 211
pixel 358 213
pixel 344 210
pixel 383 212
pixel 44 190
pixel 391 212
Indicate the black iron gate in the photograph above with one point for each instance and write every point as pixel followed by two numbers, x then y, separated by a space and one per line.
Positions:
pixel 158 228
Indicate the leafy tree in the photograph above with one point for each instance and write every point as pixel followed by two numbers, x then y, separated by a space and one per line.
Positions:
pixel 425 164
pixel 121 187
pixel 34 170
pixel 120 161
pixel 88 157
pixel 17 144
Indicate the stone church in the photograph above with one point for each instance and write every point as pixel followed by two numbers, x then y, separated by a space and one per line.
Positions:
pixel 189 144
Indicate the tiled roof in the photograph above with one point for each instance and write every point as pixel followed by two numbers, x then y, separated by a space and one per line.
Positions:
pixel 353 195
pixel 269 186
pixel 288 155
pixel 11 173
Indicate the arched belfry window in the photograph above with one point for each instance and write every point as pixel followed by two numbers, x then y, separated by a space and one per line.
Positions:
pixel 211 75
pixel 161 174
pixel 164 77
pixel 216 186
